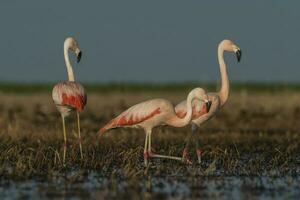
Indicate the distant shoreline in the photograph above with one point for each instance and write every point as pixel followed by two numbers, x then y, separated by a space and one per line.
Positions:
pixel 10 87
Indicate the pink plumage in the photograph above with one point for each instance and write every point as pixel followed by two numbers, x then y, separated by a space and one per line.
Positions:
pixel 217 100
pixel 152 113
pixel 70 95
pixel 198 108
pixel 137 114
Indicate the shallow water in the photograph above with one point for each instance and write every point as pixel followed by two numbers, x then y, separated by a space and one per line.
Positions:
pixel 93 186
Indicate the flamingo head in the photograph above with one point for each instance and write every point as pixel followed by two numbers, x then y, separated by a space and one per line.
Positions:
pixel 72 44
pixel 228 45
pixel 238 53
pixel 201 95
pixel 208 105
pixel 78 55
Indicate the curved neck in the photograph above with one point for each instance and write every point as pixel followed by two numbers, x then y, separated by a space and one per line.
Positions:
pixel 180 122
pixel 68 64
pixel 224 92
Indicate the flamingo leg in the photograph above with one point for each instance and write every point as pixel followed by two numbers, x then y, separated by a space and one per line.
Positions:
pixel 158 155
pixel 65 139
pixel 79 135
pixel 199 152
pixel 146 155
pixel 167 157
pixel 149 144
pixel 185 154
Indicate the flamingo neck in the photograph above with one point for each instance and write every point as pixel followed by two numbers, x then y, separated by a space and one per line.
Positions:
pixel 68 63
pixel 189 112
pixel 224 91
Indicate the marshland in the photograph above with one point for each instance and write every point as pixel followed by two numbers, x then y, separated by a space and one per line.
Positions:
pixel 54 55
pixel 251 148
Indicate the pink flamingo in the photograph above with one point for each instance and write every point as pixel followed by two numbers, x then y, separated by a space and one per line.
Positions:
pixel 70 95
pixel 152 113
pixel 217 100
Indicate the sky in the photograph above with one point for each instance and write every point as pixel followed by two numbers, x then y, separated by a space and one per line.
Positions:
pixel 157 41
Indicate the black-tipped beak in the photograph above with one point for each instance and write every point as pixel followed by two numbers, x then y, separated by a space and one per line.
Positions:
pixel 208 105
pixel 238 54
pixel 79 56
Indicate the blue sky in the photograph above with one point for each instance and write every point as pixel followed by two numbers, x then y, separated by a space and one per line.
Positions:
pixel 149 41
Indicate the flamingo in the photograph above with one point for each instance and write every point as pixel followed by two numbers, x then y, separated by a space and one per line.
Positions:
pixel 152 113
pixel 69 95
pixel 217 100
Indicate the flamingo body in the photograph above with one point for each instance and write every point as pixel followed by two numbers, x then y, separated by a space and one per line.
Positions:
pixel 217 99
pixel 152 113
pixel 69 96
pixel 146 115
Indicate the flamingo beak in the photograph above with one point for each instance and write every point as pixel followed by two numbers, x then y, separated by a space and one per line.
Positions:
pixel 238 54
pixel 207 105
pixel 79 54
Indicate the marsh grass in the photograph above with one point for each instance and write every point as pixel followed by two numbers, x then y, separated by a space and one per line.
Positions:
pixel 251 148
pixel 254 135
pixel 229 154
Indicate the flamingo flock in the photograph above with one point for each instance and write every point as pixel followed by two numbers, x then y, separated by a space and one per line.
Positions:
pixel 69 96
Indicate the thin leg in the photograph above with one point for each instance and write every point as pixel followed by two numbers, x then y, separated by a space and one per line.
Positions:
pixel 158 155
pixel 79 135
pixel 65 139
pixel 185 153
pixel 167 157
pixel 198 150
pixel 149 144
pixel 146 156
pixel 189 138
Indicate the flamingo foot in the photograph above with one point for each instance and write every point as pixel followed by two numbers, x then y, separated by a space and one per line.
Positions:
pixel 199 155
pixel 185 157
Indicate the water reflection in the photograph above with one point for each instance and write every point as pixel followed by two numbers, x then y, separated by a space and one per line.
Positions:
pixel 94 186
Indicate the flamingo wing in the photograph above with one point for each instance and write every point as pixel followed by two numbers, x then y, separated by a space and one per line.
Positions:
pixel 135 115
pixel 69 94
